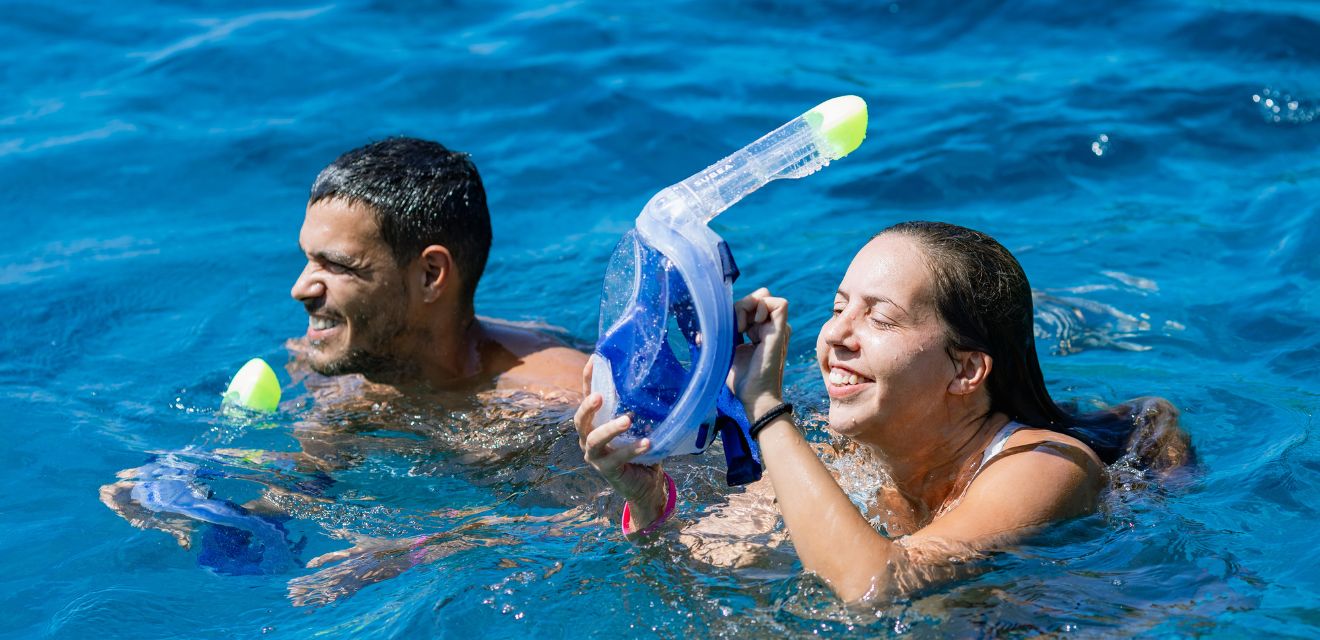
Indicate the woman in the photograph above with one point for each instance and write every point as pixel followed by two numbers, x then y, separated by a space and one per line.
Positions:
pixel 930 363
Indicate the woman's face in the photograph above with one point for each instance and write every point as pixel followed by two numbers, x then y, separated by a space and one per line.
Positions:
pixel 882 353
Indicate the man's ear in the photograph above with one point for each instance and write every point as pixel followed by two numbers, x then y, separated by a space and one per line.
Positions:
pixel 973 369
pixel 437 271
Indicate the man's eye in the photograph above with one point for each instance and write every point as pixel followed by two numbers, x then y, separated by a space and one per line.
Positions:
pixel 336 268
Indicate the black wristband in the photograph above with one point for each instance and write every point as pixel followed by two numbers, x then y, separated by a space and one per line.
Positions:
pixel 769 417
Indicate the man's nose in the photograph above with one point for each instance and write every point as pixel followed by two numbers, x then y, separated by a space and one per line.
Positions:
pixel 307 287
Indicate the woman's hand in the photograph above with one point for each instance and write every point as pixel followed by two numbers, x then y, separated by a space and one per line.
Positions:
pixel 643 486
pixel 757 374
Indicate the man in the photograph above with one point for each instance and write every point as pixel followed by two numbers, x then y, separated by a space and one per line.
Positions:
pixel 396 236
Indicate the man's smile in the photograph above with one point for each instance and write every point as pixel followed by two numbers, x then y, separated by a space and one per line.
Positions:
pixel 321 327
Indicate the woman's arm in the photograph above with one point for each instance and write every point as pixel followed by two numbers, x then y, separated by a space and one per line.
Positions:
pixel 832 538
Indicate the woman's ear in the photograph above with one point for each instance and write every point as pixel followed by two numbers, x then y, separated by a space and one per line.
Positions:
pixel 437 271
pixel 973 369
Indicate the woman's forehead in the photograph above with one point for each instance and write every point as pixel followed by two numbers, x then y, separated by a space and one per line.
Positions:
pixel 890 266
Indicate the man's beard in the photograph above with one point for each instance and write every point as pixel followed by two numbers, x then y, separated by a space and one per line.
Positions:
pixel 363 362
pixel 375 361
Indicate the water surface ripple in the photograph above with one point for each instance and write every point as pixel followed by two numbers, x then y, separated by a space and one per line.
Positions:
pixel 1152 164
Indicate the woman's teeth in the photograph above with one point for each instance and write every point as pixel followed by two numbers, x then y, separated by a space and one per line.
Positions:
pixel 840 378
pixel 319 323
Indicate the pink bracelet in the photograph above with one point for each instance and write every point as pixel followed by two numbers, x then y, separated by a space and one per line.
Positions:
pixel 671 499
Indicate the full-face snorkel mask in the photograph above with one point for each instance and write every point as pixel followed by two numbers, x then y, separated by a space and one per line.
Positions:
pixel 667 326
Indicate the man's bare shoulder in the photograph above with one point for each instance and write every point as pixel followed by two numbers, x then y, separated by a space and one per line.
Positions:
pixel 544 357
pixel 524 338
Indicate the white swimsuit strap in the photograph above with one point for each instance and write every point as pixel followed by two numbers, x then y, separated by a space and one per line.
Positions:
pixel 998 442
pixel 996 447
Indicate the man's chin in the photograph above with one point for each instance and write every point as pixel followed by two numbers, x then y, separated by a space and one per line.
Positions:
pixel 360 362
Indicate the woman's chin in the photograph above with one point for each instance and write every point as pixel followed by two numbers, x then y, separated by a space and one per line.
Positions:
pixel 854 420
pixel 843 422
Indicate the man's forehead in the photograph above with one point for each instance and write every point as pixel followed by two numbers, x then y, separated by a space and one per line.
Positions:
pixel 340 222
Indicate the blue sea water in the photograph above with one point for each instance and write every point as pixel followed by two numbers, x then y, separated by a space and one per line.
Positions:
pixel 1152 164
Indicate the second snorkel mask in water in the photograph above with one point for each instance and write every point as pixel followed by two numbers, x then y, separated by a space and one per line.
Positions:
pixel 666 314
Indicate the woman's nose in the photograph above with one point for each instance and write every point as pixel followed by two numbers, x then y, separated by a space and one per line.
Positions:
pixel 307 287
pixel 838 332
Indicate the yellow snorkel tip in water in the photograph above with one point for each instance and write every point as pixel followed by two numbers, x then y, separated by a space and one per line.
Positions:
pixel 840 122
pixel 254 387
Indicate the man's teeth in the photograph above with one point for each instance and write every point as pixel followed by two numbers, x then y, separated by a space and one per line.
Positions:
pixel 839 378
pixel 323 323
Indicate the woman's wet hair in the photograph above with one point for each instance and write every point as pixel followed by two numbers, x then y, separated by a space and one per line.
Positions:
pixel 422 194
pixel 983 296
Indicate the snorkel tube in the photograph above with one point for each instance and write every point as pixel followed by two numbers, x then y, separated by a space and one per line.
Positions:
pixel 667 321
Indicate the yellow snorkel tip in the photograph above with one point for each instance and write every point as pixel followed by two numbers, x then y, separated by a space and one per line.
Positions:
pixel 841 124
pixel 254 387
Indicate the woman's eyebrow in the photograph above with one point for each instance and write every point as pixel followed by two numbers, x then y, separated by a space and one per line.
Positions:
pixel 874 300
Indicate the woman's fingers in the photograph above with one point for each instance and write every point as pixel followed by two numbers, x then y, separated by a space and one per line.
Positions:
pixel 776 309
pixel 586 413
pixel 623 455
pixel 746 305
pixel 586 378
pixel 596 445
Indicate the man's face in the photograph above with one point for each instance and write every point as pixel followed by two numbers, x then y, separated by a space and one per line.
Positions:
pixel 352 288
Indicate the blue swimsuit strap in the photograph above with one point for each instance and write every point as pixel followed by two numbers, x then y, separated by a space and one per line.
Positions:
pixel 741 453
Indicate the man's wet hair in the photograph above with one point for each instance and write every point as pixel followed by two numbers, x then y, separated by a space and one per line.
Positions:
pixel 422 194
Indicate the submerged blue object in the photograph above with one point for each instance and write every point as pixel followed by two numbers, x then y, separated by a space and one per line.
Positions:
pixel 236 541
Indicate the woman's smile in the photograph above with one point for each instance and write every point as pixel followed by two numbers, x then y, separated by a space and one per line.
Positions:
pixel 842 382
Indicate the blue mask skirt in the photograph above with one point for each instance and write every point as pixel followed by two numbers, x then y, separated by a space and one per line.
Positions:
pixel 651 339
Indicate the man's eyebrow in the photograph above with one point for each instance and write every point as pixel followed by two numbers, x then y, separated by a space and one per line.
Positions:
pixel 337 257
